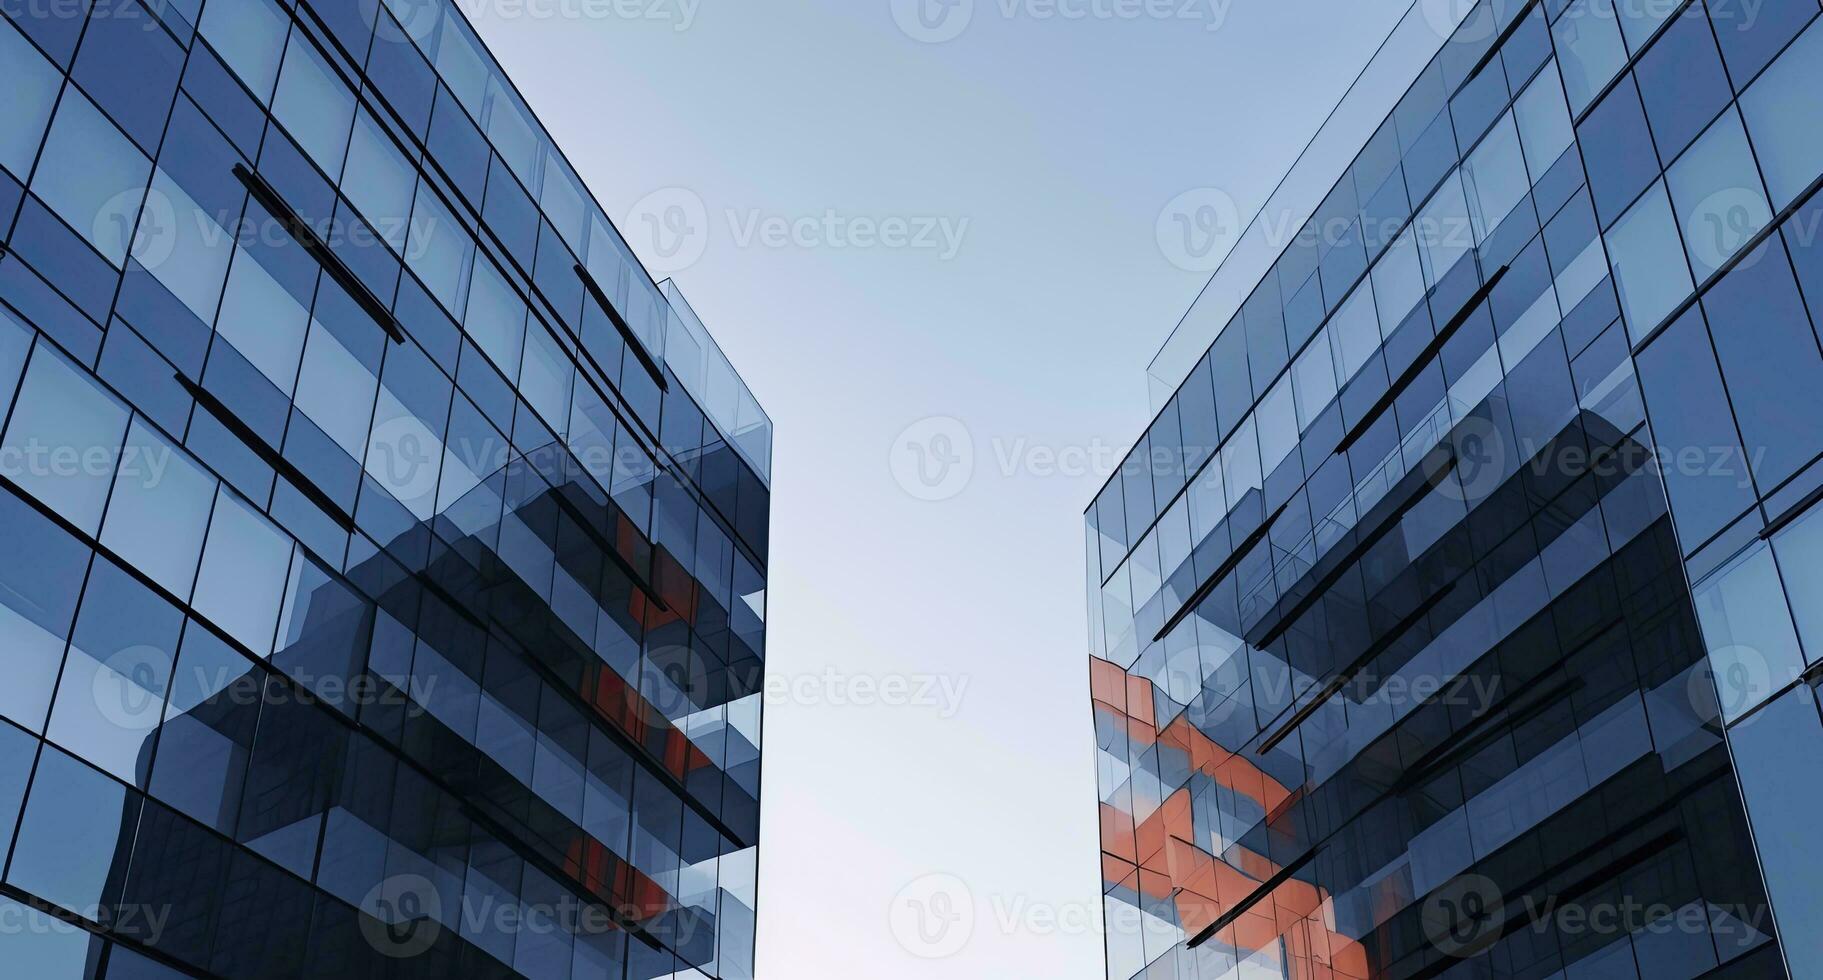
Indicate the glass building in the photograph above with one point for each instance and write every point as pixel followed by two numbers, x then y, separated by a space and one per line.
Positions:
pixel 382 552
pixel 1461 612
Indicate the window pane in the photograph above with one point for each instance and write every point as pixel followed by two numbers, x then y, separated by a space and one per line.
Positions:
pixel 1800 551
pixel 1589 49
pixel 245 563
pixel 41 572
pixel 1399 279
pixel 208 730
pixel 1617 145
pixel 31 90
pixel 250 34
pixel 1691 421
pixel 1495 177
pixel 64 439
pixel 335 389
pixel 379 181
pixel 44 947
pixel 1544 122
pixel 17 753
pixel 314 107
pixel 1770 361
pixel 1782 781
pixel 1682 83
pixel 1716 188
pixel 1753 650
pixel 495 318
pixel 112 693
pixel 77 824
pixel 1648 261
pixel 90 170
pixel 263 321
pixel 1314 375
pixel 159 509
pixel 1278 418
pixel 438 250
pixel 1354 333
pixel 1444 230
pixel 1782 110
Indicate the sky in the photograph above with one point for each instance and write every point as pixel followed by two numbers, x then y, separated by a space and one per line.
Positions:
pixel 941 240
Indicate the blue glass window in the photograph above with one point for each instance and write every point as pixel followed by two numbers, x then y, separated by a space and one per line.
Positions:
pixel 314 106
pixel 31 91
pixel 263 321
pixel 495 318
pixel 1693 429
pixel 335 387
pixel 74 825
pixel 112 694
pixel 1720 202
pixel 1769 359
pixel 1799 548
pixel 1495 177
pixel 159 509
pixel 1683 84
pixel 1444 230
pixel 208 730
pixel 250 35
pixel 245 563
pixel 44 947
pixel 131 68
pixel 1780 771
pixel 1751 33
pixel 1782 109
pixel 1589 49
pixel 1753 649
pixel 1649 267
pixel 37 606
pixel 1618 149
pixel 1545 129
pixel 379 181
pixel 64 439
pixel 18 751
pixel 91 175
pixel 439 250
pixel 190 256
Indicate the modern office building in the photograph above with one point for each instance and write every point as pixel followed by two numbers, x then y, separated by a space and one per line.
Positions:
pixel 382 551
pixel 1459 614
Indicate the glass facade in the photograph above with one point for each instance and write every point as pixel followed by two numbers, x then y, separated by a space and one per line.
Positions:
pixel 1458 615
pixel 382 552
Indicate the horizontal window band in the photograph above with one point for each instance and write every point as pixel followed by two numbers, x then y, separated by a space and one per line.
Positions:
pixel 1221 572
pixel 1791 514
pixel 1345 676
pixel 1760 238
pixel 1422 361
pixel 1499 42
pixel 620 323
pixel 1259 894
pixel 1283 622
pixel 307 238
pixel 206 400
pixel 641 582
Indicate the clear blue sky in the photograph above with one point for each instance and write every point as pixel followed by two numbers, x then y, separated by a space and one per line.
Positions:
pixel 882 230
